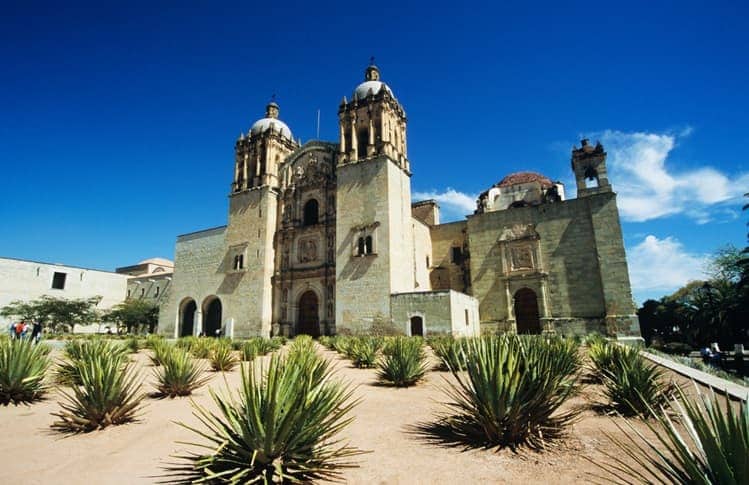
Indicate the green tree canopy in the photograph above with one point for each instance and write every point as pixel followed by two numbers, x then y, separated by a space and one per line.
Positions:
pixel 135 314
pixel 54 312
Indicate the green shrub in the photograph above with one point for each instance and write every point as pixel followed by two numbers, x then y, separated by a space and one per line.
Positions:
pixel 79 350
pixel 22 370
pixel 511 391
pixel 710 447
pixel 186 343
pixel 405 363
pixel 109 394
pixel 152 340
pixel 223 358
pixel 180 374
pixel 282 427
pixel 133 345
pixel 631 384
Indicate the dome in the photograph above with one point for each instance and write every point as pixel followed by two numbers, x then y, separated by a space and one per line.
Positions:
pixel 362 90
pixel 264 124
pixel 525 178
pixel 271 121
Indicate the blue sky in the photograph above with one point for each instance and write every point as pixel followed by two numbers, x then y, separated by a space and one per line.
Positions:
pixel 117 122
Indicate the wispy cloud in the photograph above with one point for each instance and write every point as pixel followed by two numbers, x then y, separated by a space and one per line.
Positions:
pixel 454 205
pixel 661 266
pixel 650 186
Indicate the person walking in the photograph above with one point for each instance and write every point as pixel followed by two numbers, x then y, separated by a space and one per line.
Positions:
pixel 36 332
pixel 19 329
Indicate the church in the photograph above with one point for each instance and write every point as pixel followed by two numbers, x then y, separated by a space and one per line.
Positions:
pixel 324 238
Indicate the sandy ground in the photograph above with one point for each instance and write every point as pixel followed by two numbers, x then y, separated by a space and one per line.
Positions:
pixel 135 453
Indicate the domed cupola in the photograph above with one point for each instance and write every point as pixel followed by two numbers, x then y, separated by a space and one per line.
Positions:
pixel 373 123
pixel 271 122
pixel 258 154
pixel 372 84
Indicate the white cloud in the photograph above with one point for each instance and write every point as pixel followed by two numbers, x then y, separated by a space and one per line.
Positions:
pixel 650 188
pixel 661 266
pixel 454 205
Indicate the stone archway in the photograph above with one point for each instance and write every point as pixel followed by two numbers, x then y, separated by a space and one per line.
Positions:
pixel 187 317
pixel 526 312
pixel 308 321
pixel 417 326
pixel 212 313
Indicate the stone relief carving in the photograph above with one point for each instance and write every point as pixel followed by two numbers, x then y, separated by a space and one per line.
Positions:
pixel 521 258
pixel 307 250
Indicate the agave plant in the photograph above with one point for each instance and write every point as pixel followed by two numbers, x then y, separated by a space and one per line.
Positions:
pixel 449 351
pixel 109 394
pixel 405 364
pixel 281 428
pixel 160 350
pixel 133 344
pixel 710 447
pixel 363 351
pixel 186 343
pixel 631 384
pixel 201 347
pixel 223 358
pixel 22 370
pixel 179 375
pixel 511 392
pixel 152 340
pixel 76 351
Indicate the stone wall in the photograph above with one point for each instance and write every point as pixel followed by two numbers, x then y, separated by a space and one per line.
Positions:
pixel 27 280
pixel 442 312
pixel 574 236
pixel 197 276
pixel 422 255
pixel 445 274
pixel 373 200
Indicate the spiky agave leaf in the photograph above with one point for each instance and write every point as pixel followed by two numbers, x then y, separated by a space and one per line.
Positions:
pixel 631 384
pixel 363 351
pixel 223 358
pixel 449 351
pixel 711 446
pixel 76 351
pixel 179 374
pixel 405 363
pixel 511 391
pixel 22 370
pixel 160 351
pixel 109 394
pixel 281 427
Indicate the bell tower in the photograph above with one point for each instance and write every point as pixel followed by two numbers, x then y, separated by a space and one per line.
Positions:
pixel 374 229
pixel 253 207
pixel 373 123
pixel 589 165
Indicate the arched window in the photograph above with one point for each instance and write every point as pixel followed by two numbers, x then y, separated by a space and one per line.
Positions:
pixel 368 245
pixel 311 212
pixel 360 247
pixel 591 177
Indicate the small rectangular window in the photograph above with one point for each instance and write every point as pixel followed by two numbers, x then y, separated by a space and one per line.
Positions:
pixel 142 292
pixel 58 281
pixel 468 322
pixel 157 291
pixel 128 293
pixel 457 255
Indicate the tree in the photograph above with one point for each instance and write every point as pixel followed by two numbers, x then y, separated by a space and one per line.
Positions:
pixel 57 313
pixel 135 314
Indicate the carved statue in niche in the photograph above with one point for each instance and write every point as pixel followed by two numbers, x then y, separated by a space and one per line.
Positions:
pixel 521 258
pixel 307 250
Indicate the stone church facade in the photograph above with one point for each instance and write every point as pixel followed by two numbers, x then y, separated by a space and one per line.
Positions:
pixel 323 237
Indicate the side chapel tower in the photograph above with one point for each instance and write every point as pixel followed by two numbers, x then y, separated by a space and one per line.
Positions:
pixel 374 233
pixel 253 205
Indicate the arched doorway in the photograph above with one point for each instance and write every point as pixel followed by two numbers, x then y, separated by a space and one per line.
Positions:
pixel 187 317
pixel 309 319
pixel 417 326
pixel 311 212
pixel 211 316
pixel 526 312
